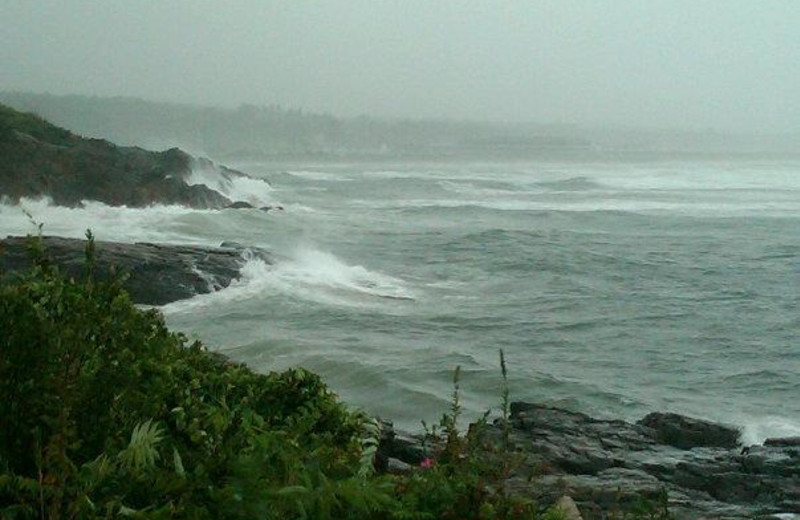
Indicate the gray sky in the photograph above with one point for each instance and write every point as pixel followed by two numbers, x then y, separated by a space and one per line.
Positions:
pixel 723 64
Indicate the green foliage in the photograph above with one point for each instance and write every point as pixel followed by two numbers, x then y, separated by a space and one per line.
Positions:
pixel 644 509
pixel 505 401
pixel 31 124
pixel 141 453
pixel 106 412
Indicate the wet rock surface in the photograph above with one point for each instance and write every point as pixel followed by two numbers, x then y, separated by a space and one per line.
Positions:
pixel 157 274
pixel 613 465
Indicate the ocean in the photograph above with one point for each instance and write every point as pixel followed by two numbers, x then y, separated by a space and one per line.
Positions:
pixel 614 287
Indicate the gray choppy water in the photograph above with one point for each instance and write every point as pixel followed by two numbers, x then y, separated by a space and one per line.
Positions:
pixel 614 288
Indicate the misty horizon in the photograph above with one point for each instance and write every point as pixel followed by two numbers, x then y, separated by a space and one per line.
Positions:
pixel 713 66
pixel 622 128
pixel 250 131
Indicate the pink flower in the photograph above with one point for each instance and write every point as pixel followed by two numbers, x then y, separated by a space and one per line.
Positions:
pixel 427 463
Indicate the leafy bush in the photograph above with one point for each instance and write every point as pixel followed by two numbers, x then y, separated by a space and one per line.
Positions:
pixel 105 411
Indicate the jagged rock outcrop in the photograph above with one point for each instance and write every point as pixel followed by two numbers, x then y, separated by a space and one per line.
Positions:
pixel 39 159
pixel 606 465
pixel 157 274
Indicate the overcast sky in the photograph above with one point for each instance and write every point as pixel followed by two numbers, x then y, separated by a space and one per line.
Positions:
pixel 726 64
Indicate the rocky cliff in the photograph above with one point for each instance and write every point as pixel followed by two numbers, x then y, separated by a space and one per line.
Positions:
pixel 40 159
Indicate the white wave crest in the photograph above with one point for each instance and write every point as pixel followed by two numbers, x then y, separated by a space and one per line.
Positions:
pixel 319 271
pixel 757 430
pixel 742 205
pixel 394 174
pixel 469 188
pixel 314 175
pixel 119 223
pixel 253 280
pixel 309 274
pixel 235 187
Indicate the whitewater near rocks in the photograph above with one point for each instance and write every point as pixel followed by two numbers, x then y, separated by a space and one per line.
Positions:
pixel 615 287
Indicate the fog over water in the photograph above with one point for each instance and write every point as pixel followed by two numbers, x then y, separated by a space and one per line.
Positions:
pixel 731 65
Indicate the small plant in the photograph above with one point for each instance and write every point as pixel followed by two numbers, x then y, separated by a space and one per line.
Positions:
pixel 505 402
pixel 646 509
pixel 453 442
pixel 465 477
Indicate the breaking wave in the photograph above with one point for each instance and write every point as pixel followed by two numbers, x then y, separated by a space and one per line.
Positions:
pixel 233 185
pixel 308 274
pixel 157 223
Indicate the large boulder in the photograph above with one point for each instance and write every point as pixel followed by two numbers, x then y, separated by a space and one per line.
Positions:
pixel 686 432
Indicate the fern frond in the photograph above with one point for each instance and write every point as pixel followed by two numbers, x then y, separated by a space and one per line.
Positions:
pixel 505 405
pixel 141 453
pixel 369 447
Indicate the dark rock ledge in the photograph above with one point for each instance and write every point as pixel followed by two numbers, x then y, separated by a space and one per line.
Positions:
pixel 604 465
pixel 157 273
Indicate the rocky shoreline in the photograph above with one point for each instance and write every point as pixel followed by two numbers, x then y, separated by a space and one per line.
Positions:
pixel 155 274
pixel 606 465
pixel 700 466
pixel 40 159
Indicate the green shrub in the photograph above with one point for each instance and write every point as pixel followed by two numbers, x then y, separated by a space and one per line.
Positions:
pixel 106 411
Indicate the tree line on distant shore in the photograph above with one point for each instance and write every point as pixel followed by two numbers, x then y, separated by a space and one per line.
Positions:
pixel 251 131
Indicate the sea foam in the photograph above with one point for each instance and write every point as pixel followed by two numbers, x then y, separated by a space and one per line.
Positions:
pixel 757 429
pixel 117 223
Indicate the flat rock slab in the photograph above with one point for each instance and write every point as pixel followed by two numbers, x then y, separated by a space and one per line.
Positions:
pixel 698 464
pixel 157 274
